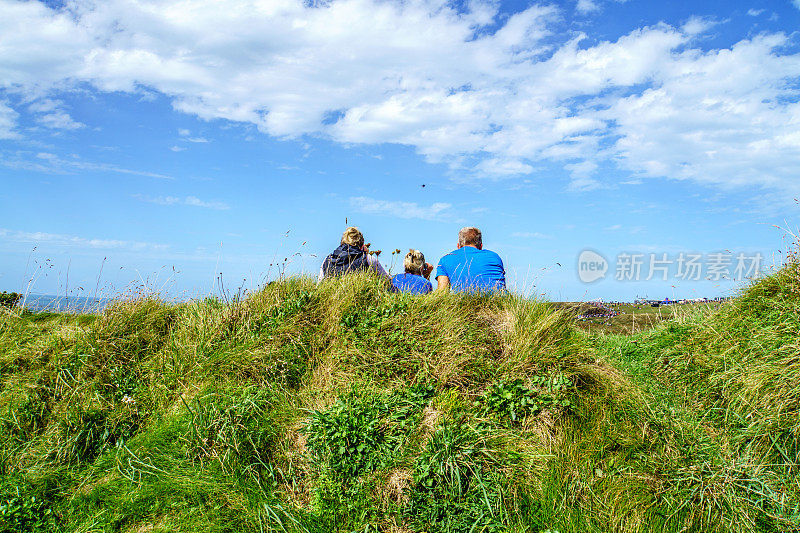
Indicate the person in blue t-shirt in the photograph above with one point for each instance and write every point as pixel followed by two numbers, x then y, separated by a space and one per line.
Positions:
pixel 414 279
pixel 470 268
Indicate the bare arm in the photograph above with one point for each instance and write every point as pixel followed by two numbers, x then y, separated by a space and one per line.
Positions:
pixel 426 271
pixel 443 283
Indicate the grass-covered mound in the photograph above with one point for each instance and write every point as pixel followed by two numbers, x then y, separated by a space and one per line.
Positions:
pixel 736 374
pixel 342 407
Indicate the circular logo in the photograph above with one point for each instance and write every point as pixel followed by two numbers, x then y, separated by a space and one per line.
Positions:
pixel 591 266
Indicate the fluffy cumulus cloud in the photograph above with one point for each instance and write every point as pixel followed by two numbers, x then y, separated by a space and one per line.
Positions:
pixel 487 94
pixel 687 126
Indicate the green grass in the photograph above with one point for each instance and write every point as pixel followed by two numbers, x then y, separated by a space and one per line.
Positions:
pixel 342 407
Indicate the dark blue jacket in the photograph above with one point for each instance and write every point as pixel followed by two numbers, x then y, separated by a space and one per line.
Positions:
pixel 345 259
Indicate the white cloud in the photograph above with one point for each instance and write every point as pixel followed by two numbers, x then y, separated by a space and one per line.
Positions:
pixel 44 105
pixel 690 128
pixel 586 6
pixel 698 25
pixel 59 120
pixel 196 202
pixel 188 200
pixel 8 122
pixel 651 102
pixel 51 114
pixel 436 211
pixel 755 12
pixel 582 176
pixel 185 134
pixel 42 47
pixel 54 164
pixel 177 148
pixel 584 184
pixel 56 239
pixel 503 168
pixel 796 3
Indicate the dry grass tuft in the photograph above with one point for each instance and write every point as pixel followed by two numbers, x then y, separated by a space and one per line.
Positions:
pixel 397 485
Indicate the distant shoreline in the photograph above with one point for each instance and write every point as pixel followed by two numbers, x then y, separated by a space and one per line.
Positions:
pixel 64 304
pixel 92 305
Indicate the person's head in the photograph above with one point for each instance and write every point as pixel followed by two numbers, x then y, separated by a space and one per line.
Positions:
pixel 353 237
pixel 470 236
pixel 414 262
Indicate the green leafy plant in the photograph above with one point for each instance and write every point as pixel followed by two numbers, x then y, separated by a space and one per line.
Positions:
pixel 351 437
pixel 361 433
pixel 362 320
pixel 25 514
pixel 515 400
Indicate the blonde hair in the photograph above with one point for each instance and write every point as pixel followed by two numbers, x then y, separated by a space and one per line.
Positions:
pixel 353 237
pixel 414 262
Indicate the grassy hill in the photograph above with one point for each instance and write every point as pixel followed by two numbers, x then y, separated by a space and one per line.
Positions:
pixel 342 407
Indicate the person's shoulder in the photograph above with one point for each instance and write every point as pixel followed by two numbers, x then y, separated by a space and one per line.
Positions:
pixel 450 254
pixel 416 279
pixel 420 280
pixel 490 253
pixel 446 263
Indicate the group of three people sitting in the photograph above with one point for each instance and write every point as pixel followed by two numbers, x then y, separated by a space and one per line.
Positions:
pixel 468 268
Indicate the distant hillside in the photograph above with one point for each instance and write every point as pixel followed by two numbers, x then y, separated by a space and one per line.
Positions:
pixel 343 407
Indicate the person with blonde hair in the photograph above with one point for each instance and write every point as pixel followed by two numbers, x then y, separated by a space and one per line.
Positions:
pixel 351 256
pixel 470 268
pixel 415 278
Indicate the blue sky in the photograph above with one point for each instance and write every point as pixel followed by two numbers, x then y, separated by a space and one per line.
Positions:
pixel 165 142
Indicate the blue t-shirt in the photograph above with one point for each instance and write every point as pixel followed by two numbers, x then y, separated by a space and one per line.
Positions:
pixel 470 269
pixel 411 283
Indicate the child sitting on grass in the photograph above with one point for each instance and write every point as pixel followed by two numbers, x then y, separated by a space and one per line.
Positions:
pixel 415 277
